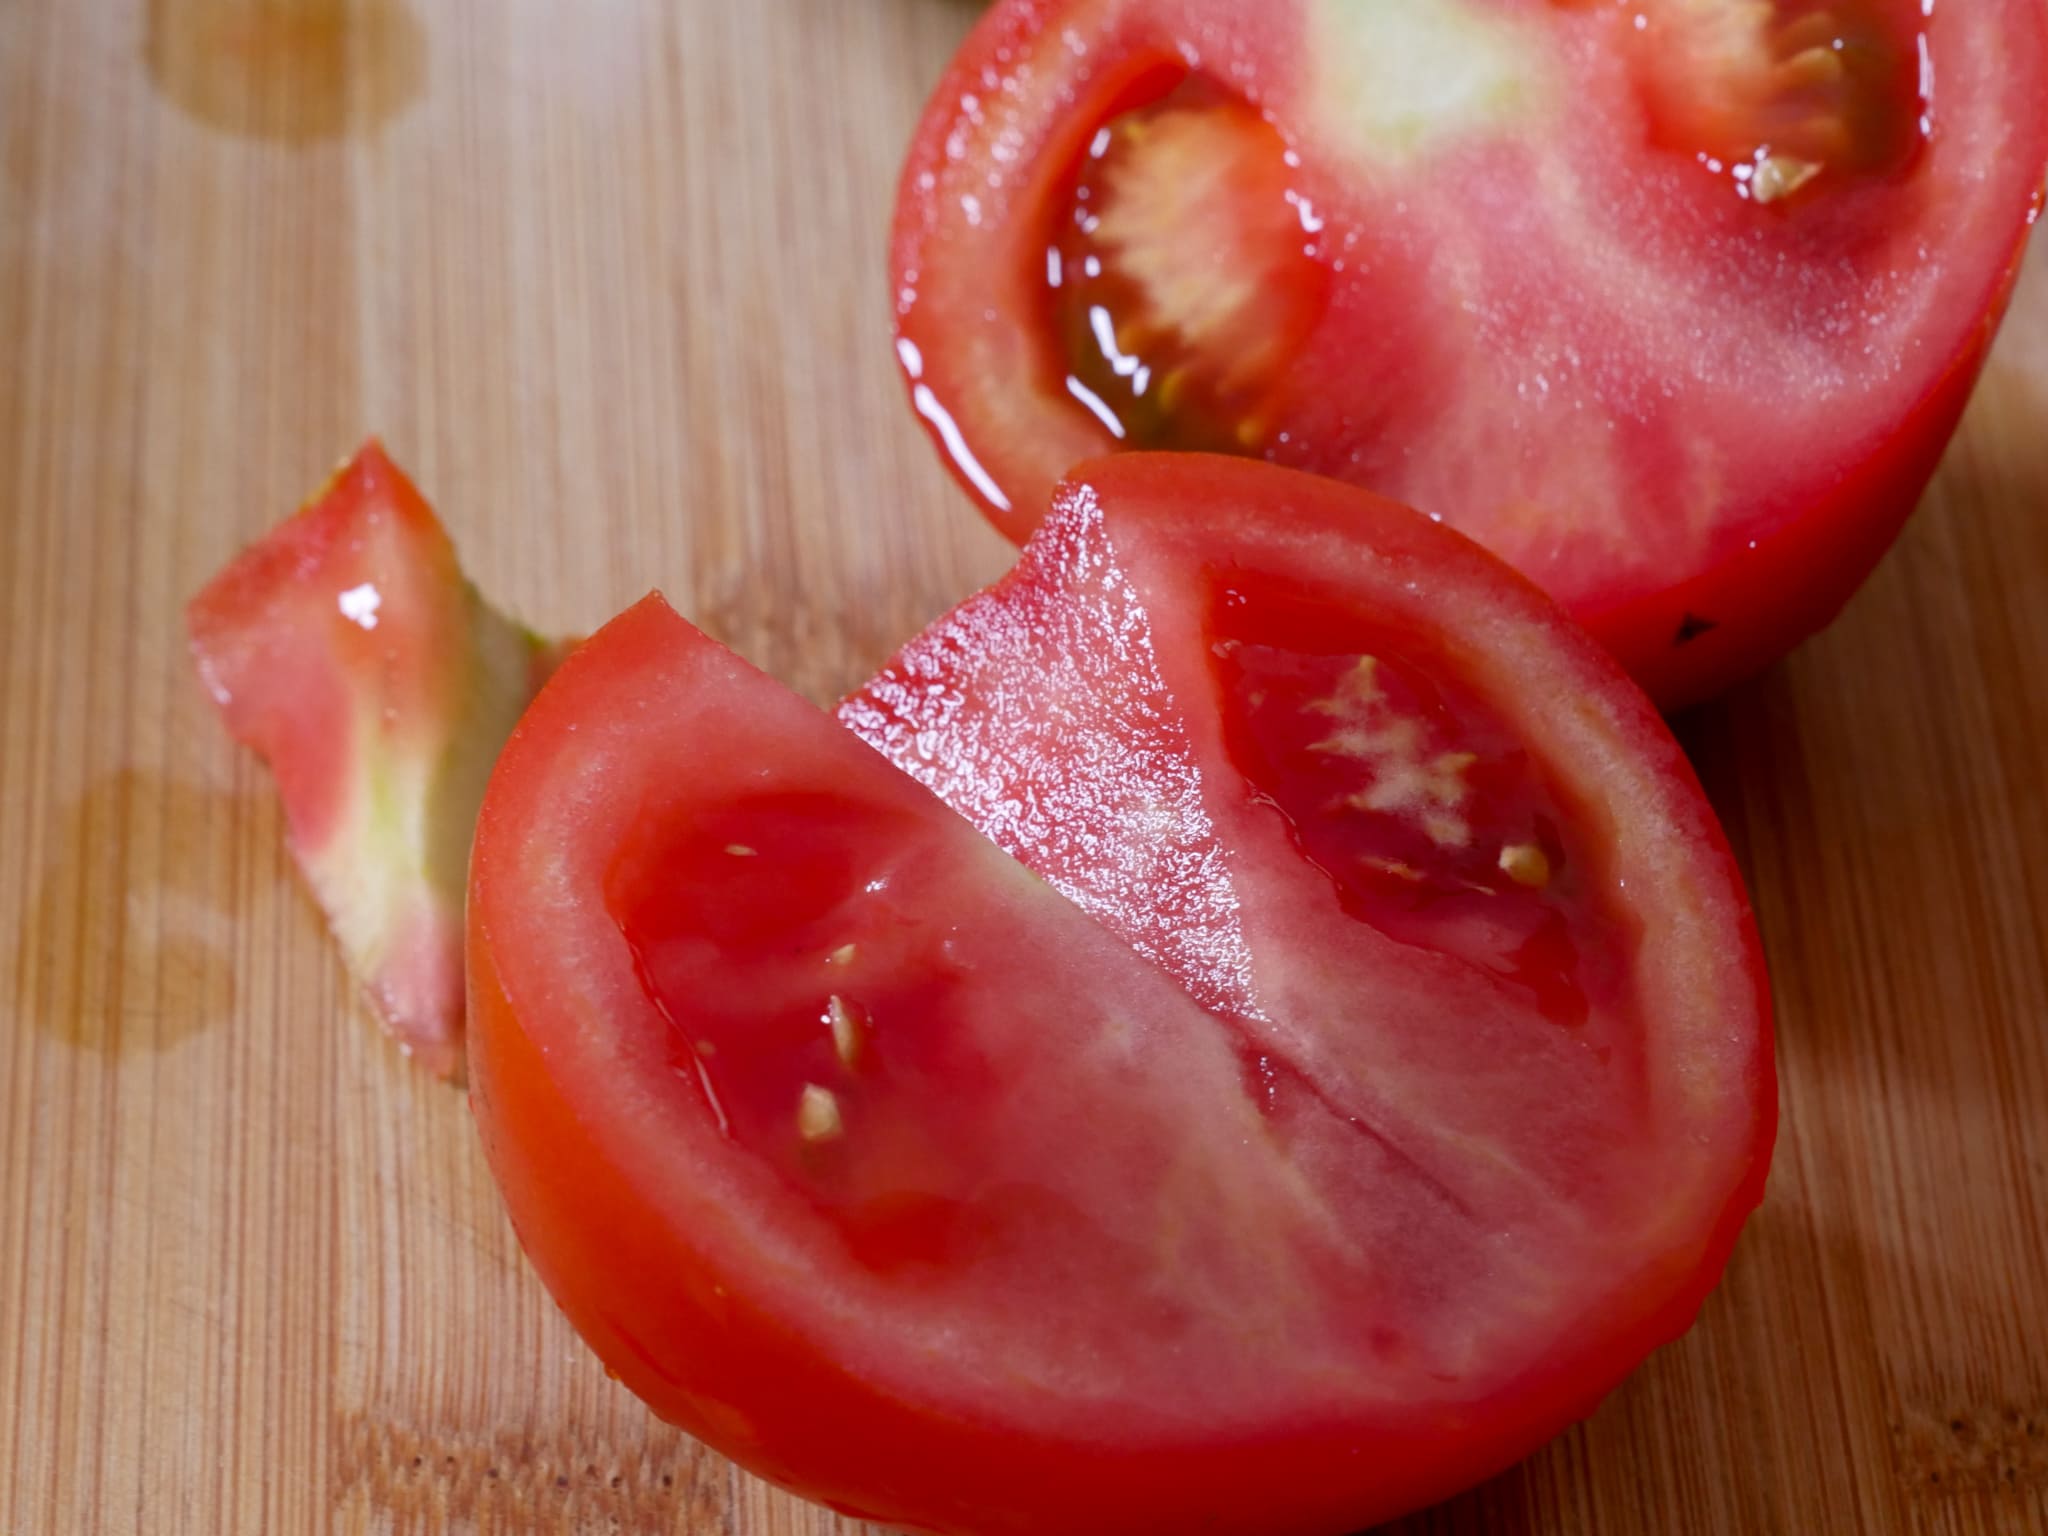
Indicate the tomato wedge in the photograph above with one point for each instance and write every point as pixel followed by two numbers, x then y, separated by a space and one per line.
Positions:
pixel 1405 1080
pixel 349 651
pixel 1673 303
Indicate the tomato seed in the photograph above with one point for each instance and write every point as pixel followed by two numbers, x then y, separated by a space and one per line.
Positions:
pixel 817 1114
pixel 1526 864
pixel 844 1020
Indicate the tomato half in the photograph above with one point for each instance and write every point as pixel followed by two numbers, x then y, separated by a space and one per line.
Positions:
pixel 1671 303
pixel 865 1155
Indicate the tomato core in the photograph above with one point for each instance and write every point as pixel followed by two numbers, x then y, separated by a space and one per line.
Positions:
pixel 1186 273
pixel 1416 800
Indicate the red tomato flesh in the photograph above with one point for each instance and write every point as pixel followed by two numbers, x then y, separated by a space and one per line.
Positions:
pixel 1673 304
pixel 887 1169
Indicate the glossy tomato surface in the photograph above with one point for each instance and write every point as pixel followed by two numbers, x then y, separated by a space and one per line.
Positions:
pixel 1405 1081
pixel 1671 303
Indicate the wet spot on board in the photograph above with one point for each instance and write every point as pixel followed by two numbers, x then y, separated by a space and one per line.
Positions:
pixel 129 928
pixel 294 71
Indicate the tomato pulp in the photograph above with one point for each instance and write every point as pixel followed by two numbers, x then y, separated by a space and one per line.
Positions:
pixel 1671 303
pixel 1362 1063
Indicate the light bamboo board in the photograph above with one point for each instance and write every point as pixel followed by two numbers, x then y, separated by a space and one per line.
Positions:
pixel 609 280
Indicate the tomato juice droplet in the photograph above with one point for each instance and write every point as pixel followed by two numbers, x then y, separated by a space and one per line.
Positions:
pixel 1185 273
pixel 1431 819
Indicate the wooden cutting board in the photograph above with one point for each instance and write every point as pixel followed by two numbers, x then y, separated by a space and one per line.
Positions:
pixel 609 280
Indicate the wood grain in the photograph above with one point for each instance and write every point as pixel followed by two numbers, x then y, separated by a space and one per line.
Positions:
pixel 609 279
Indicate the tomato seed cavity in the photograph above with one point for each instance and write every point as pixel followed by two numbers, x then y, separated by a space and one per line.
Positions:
pixel 1780 95
pixel 1426 813
pixel 1186 274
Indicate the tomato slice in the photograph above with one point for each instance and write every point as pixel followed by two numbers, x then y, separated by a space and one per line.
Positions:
pixel 347 649
pixel 1673 304
pixel 1405 1079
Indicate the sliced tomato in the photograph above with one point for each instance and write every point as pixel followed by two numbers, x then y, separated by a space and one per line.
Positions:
pixel 1672 303
pixel 1409 1081
pixel 347 649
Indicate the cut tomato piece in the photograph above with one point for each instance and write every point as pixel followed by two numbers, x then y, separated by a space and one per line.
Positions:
pixel 347 649
pixel 1405 1080
pixel 1673 304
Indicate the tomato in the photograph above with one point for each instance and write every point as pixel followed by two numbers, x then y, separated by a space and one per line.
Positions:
pixel 346 648
pixel 1671 303
pixel 1405 1079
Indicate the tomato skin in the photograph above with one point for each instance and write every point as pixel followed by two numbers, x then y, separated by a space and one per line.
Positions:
pixel 1789 544
pixel 1733 620
pixel 652 1269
